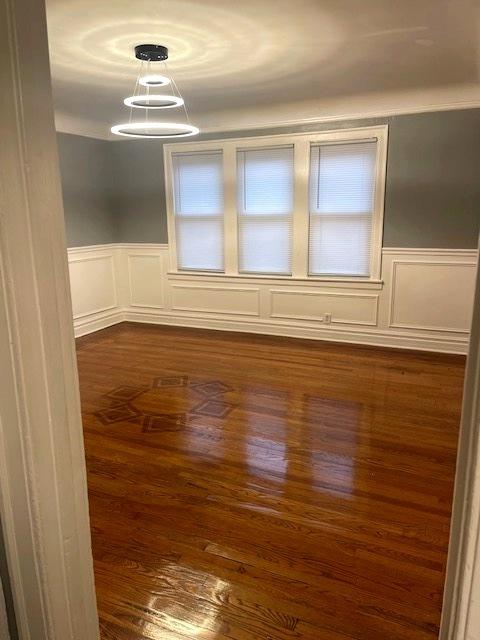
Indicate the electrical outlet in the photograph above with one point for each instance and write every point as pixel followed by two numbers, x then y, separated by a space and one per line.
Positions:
pixel 327 318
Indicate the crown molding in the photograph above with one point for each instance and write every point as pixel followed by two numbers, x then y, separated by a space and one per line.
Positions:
pixel 307 113
pixel 344 108
pixel 98 132
pixel 362 115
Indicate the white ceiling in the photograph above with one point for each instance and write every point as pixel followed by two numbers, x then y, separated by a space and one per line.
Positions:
pixel 253 62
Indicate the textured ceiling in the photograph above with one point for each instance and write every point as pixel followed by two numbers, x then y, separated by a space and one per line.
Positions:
pixel 230 56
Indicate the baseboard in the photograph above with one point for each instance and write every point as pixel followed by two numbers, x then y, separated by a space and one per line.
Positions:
pixel 97 321
pixel 372 338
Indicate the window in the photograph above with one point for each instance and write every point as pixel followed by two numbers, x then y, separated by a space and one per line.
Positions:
pixel 342 189
pixel 265 208
pixel 302 206
pixel 198 195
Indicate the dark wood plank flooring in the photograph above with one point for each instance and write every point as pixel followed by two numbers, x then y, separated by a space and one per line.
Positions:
pixel 256 488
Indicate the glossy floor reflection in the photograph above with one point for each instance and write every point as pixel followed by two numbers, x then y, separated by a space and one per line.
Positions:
pixel 258 488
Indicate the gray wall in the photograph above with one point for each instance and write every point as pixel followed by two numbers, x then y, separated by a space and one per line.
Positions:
pixel 140 191
pixel 432 191
pixel 433 181
pixel 88 184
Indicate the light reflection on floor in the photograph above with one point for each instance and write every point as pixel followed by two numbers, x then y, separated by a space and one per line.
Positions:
pixel 174 618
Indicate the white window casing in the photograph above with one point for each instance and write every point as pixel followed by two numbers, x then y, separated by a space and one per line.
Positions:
pixel 305 206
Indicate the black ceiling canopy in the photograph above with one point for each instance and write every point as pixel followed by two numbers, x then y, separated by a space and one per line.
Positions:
pixel 151 52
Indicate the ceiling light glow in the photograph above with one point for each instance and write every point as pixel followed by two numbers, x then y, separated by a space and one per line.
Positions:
pixel 154 80
pixel 155 130
pixel 152 101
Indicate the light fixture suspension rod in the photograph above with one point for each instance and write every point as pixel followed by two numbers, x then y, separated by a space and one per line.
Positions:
pixel 175 86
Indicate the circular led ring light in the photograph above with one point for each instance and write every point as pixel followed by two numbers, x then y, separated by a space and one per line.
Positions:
pixel 153 102
pixel 164 129
pixel 154 81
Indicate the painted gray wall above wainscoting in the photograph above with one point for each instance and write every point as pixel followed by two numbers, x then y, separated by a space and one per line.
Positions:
pixel 140 191
pixel 432 191
pixel 433 180
pixel 88 184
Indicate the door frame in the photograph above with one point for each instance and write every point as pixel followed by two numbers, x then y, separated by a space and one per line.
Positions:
pixel 461 599
pixel 43 491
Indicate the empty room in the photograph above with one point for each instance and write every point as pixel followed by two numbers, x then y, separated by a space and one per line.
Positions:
pixel 267 257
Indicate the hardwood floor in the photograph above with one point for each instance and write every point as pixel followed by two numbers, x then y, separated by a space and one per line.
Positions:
pixel 258 488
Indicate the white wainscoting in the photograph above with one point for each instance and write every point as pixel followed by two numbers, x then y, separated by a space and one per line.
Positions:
pixel 431 295
pixel 424 300
pixel 95 275
pixel 326 307
pixel 146 275
pixel 228 300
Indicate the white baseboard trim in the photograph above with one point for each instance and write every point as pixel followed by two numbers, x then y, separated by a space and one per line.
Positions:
pixel 97 321
pixel 372 338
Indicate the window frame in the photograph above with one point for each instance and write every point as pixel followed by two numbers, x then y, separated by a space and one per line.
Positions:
pixel 205 216
pixel 302 143
pixel 264 216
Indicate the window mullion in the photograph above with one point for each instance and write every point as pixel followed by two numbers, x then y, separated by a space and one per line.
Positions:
pixel 170 179
pixel 379 201
pixel 230 204
pixel 301 209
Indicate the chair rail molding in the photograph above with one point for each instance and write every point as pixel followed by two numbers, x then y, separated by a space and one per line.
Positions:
pixel 422 301
pixel 43 491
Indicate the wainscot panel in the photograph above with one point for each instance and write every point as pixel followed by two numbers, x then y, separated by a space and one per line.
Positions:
pixel 319 306
pixel 423 300
pixel 93 281
pixel 432 295
pixel 230 300
pixel 145 280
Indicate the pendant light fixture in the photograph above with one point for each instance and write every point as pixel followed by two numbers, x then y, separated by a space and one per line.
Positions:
pixel 146 101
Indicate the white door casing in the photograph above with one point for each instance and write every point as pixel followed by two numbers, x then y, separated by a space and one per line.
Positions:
pixel 461 611
pixel 43 499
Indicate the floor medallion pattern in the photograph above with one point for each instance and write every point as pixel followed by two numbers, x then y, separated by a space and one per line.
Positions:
pixel 182 397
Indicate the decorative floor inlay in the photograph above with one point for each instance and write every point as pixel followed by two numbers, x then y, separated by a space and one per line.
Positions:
pixel 117 413
pixel 214 408
pixel 179 381
pixel 144 406
pixel 164 422
pixel 212 388
pixel 124 394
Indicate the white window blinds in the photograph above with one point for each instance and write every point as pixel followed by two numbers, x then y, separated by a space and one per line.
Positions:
pixel 265 188
pixel 342 188
pixel 198 201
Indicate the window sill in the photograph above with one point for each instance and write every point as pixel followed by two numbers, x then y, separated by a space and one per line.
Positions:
pixel 338 282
